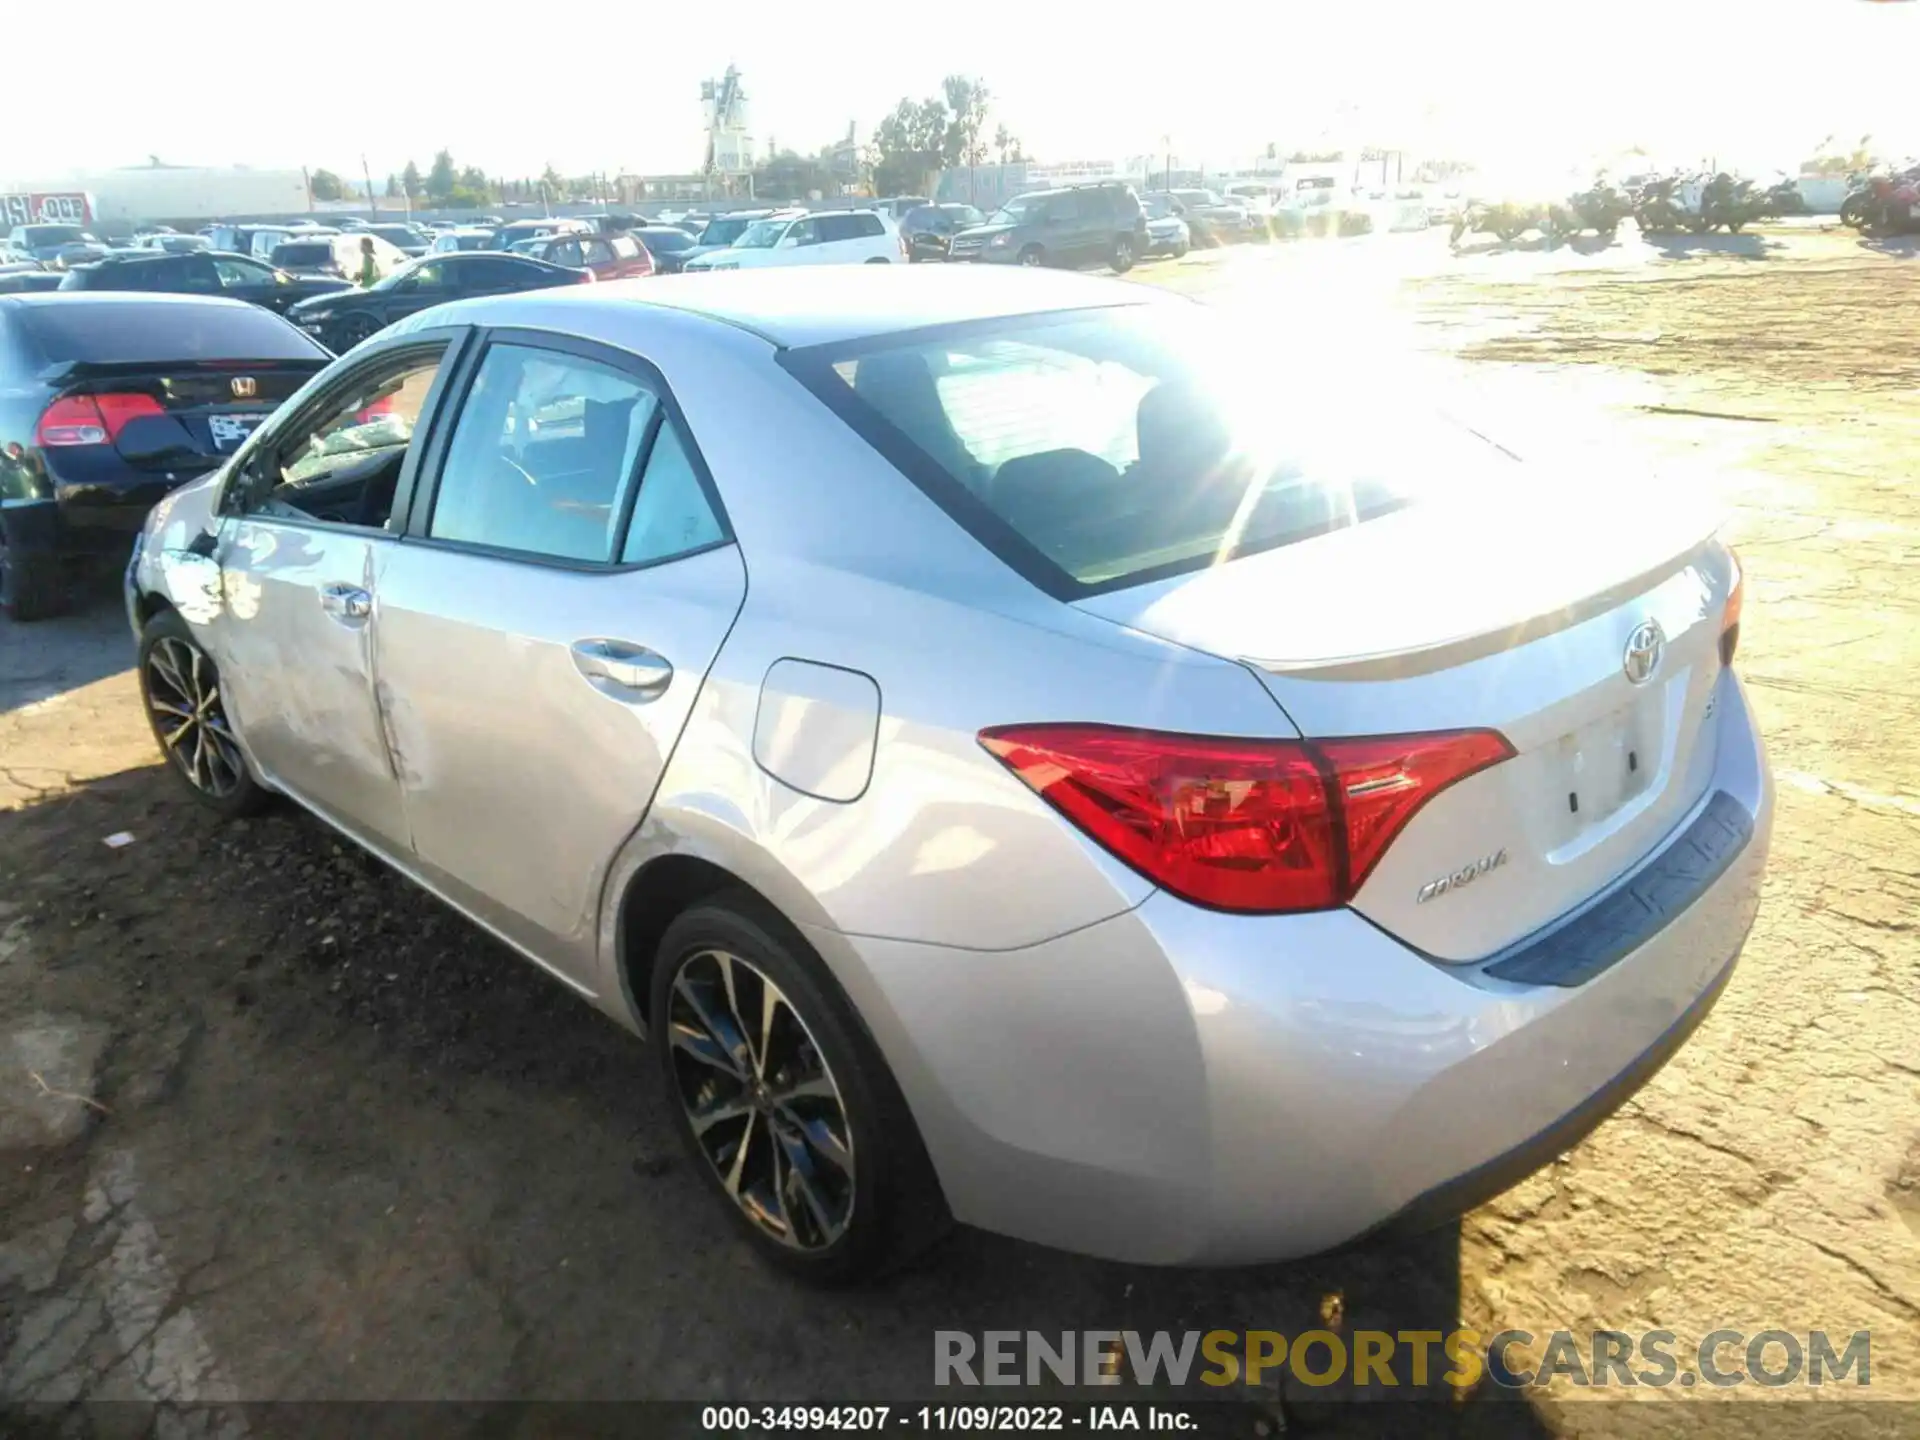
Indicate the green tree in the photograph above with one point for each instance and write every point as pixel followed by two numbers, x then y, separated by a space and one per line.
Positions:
pixel 410 181
pixel 789 175
pixel 966 102
pixel 908 145
pixel 326 186
pixel 474 179
pixel 440 178
pixel 552 187
pixel 393 188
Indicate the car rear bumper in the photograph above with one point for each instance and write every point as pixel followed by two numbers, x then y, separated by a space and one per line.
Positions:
pixel 1178 1086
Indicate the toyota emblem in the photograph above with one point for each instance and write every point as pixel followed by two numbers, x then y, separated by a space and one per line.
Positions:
pixel 244 387
pixel 1644 647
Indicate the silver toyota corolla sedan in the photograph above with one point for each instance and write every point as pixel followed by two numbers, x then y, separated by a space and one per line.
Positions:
pixel 1022 753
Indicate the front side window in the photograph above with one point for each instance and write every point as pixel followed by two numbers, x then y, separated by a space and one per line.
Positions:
pixel 1123 444
pixel 542 455
pixel 343 464
pixel 804 232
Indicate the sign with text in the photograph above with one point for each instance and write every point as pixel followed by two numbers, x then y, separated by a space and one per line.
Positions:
pixel 72 207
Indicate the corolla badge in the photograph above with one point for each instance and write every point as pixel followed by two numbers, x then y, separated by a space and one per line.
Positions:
pixel 1644 649
pixel 1465 875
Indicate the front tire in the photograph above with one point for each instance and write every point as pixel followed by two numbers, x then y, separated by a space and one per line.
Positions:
pixel 180 690
pixel 356 328
pixel 1033 255
pixel 1122 258
pixel 783 1101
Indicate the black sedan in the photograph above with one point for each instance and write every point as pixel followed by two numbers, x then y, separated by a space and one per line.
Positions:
pixel 205 272
pixel 343 320
pixel 109 401
pixel 668 244
pixel 928 228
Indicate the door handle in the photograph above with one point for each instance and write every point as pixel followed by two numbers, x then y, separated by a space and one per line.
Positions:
pixel 346 602
pixel 623 671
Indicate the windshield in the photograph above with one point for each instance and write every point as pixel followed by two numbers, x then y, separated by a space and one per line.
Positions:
pixel 1018 210
pixel 395 234
pixel 51 235
pixel 666 240
pixel 762 235
pixel 723 232
pixel 1134 442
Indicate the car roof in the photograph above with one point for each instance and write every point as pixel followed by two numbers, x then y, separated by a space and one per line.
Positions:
pixel 836 303
pixel 118 297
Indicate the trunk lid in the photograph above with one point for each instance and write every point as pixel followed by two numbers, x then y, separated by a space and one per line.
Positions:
pixel 1516 617
pixel 206 409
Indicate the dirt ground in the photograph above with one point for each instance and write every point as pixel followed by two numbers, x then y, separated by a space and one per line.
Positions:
pixel 341 1146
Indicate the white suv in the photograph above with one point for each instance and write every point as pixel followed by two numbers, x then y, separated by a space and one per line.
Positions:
pixel 826 237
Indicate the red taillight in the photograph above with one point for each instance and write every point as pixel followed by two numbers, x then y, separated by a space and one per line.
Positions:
pixel 1730 620
pixel 1249 825
pixel 92 419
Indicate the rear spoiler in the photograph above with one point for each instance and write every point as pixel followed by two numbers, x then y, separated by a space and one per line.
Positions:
pixel 70 372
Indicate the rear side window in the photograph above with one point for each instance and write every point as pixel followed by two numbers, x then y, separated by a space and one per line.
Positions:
pixel 1097 449
pixel 850 227
pixel 139 331
pixel 672 516
pixel 625 246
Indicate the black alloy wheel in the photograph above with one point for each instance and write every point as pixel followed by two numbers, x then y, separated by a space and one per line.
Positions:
pixel 761 1100
pixel 180 687
pixel 782 1096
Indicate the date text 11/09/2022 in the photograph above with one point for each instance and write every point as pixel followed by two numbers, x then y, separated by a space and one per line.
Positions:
pixel 925 1419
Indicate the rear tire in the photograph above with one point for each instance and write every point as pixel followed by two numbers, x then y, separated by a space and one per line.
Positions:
pixel 876 260
pixel 1033 255
pixel 1122 258
pixel 779 1166
pixel 32 583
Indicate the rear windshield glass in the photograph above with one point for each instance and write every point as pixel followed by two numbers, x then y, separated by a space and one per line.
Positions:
pixel 305 253
pixel 1101 448
pixel 136 331
pixel 666 240
pixel 50 234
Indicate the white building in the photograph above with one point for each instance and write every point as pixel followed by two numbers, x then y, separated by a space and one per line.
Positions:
pixel 125 198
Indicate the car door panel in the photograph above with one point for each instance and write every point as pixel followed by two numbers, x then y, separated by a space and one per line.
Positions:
pixel 531 725
pixel 296 668
pixel 293 625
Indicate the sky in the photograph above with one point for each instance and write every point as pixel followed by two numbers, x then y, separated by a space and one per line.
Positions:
pixel 511 87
